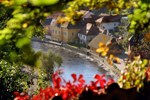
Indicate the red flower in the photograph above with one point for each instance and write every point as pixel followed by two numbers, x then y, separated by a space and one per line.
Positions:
pixel 67 91
pixel 56 82
pixel 110 82
pixel 80 79
pixel 148 74
pixel 16 94
pixel 100 80
pixel 74 76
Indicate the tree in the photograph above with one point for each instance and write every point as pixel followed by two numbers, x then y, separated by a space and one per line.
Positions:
pixel 49 60
pixel 12 79
pixel 20 22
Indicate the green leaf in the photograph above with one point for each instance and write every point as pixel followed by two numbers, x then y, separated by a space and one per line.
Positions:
pixel 137 82
pixel 43 2
pixel 22 42
pixel 145 62
pixel 20 2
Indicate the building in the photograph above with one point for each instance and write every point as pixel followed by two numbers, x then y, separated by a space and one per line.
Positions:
pixel 108 22
pixel 46 24
pixel 87 33
pixel 114 47
pixel 65 32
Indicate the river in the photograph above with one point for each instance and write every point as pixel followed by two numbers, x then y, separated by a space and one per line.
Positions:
pixel 73 62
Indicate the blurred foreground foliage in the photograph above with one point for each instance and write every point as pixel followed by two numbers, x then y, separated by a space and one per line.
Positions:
pixel 21 20
pixel 134 74
pixel 11 79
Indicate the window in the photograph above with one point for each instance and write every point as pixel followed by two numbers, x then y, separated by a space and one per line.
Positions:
pixel 103 27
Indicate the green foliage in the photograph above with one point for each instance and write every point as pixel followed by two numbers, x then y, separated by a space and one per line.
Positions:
pixel 22 24
pixel 45 69
pixel 140 19
pixel 21 21
pixel 134 74
pixel 11 79
pixel 48 62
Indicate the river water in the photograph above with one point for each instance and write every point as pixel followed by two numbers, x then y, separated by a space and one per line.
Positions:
pixel 73 62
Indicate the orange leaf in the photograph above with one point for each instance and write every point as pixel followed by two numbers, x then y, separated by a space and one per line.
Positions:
pixel 106 49
pixel 104 53
pixel 99 50
pixel 101 44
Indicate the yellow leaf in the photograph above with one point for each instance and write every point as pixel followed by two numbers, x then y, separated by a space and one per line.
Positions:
pixel 109 61
pixel 106 49
pixel 99 50
pixel 61 20
pixel 101 44
pixel 104 53
pixel 24 25
pixel 117 59
pixel 111 56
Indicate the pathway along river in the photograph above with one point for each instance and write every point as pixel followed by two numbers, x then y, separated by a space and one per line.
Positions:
pixel 73 62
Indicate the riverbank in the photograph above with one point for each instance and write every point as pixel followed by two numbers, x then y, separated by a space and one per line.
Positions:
pixel 113 71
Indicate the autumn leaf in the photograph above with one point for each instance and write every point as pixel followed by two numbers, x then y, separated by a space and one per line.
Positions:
pixel 100 80
pixel 104 53
pixel 101 44
pixel 117 60
pixel 110 81
pixel 99 50
pixel 106 49
pixel 80 79
pixel 74 76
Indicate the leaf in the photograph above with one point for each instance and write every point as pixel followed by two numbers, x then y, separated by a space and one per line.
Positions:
pixel 99 50
pixel 106 49
pixel 25 25
pixel 110 81
pixel 64 95
pixel 22 42
pixel 20 2
pixel 102 83
pixel 74 76
pixel 137 82
pixel 100 80
pixel 117 60
pixel 81 80
pixel 16 94
pixel 43 2
pixel 104 53
pixel 101 44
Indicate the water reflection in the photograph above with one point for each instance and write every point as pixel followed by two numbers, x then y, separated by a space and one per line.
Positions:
pixel 73 62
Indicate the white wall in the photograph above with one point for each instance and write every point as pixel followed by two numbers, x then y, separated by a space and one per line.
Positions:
pixel 108 26
pixel 85 39
pixel 82 37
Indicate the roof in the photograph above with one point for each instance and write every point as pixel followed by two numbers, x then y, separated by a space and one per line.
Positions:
pixel 99 11
pixel 89 29
pixel 100 38
pixel 68 25
pixel 47 21
pixel 53 22
pixel 87 14
pixel 108 18
pixel 56 15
